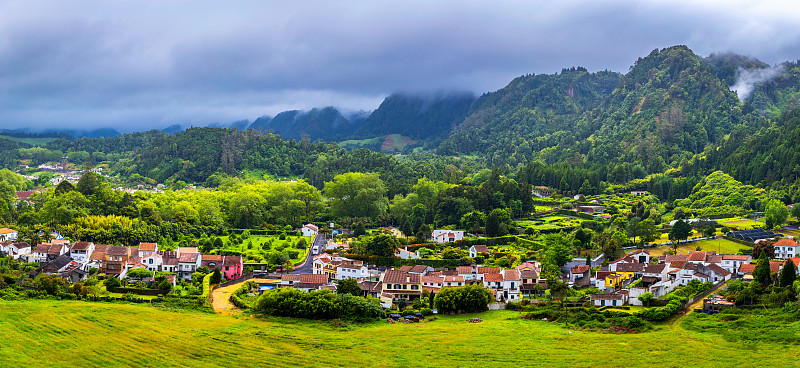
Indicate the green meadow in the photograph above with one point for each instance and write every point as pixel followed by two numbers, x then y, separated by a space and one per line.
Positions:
pixel 40 333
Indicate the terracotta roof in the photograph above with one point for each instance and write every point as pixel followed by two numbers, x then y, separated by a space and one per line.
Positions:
pixel 418 269
pixel 528 274
pixel 678 264
pixel 367 285
pixel 232 260
pixel 714 258
pixel 100 247
pixel 6 230
pixel 170 261
pixel 55 249
pixel 313 279
pixel 645 251
pixel 626 258
pixel 81 246
pixel 448 273
pixel 453 278
pixel 796 261
pixel 400 277
pixel 485 270
pixel 98 255
pixel 435 279
pixel 187 250
pixel 405 268
pixel 630 267
pixel 153 255
pixel 649 279
pixel 747 268
pixel 291 277
pixel 188 258
pixel 147 247
pixel 735 257
pixel 511 275
pixel 436 273
pixel 775 266
pixel 607 297
pixel 785 242
pixel 464 270
pixel 530 265
pixel 41 248
pixel 492 277
pixel 701 275
pixel 311 226
pixel 697 256
pixel 719 270
pixel 676 258
pixel 481 248
pixel 657 268
pixel 115 250
pixel 603 274
pixel 212 257
pixel 580 269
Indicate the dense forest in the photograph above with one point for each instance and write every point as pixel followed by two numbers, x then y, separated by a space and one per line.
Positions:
pixel 663 126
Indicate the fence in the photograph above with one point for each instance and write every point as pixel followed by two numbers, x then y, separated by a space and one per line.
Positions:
pixel 245 277
pixel 703 294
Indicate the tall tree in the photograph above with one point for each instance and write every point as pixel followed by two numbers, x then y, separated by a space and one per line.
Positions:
pixel 775 213
pixel 357 195
pixel 762 272
pixel 788 273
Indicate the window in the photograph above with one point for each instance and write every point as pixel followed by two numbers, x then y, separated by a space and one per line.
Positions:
pixel 226 268
pixel 414 287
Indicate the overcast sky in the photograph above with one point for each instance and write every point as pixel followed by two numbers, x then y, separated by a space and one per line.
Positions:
pixel 141 64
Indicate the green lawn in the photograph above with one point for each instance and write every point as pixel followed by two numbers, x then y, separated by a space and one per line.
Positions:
pixel 41 333
pixel 31 141
pixel 721 246
pixel 259 240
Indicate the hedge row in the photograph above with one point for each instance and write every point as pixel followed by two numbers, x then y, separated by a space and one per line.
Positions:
pixel 137 291
pixel 236 295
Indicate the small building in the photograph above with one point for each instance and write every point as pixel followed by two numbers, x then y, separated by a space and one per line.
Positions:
pixel 639 193
pixel 232 267
pixel 580 275
pixel 81 251
pixel 444 236
pixel 7 234
pixel 785 249
pixel 309 230
pixel 592 210
pixel 616 299
pixel 147 248
pixel 477 250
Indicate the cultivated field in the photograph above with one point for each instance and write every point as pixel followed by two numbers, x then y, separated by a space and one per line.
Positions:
pixel 72 333
pixel 721 246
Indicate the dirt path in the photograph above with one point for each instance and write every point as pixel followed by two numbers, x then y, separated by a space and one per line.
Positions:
pixel 691 308
pixel 220 299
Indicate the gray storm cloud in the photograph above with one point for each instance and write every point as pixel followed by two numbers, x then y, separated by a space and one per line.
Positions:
pixel 748 79
pixel 148 64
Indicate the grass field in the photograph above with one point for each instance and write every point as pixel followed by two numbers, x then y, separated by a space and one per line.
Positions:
pixel 31 141
pixel 40 333
pixel 721 246
pixel 259 240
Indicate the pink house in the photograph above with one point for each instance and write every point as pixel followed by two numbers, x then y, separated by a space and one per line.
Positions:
pixel 232 267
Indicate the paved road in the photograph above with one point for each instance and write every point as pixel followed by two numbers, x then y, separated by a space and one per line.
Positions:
pixel 307 265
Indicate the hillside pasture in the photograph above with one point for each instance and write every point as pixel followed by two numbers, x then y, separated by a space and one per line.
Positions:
pixel 41 333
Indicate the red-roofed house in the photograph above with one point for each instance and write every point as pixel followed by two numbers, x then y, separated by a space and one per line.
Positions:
pixel 785 248
pixel 732 262
pixel 309 230
pixel 477 250
pixel 580 275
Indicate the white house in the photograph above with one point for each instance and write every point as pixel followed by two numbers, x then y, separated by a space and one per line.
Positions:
pixel 732 262
pixel 153 261
pixel 309 230
pixel 16 250
pixel 405 254
pixel 444 236
pixel 351 270
pixel 615 299
pixel 81 251
pixel 7 234
pixel 785 249
pixel 147 248
pixel 476 250
pixel 188 263
pixel 511 284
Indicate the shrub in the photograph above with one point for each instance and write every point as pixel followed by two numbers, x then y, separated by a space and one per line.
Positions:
pixel 319 304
